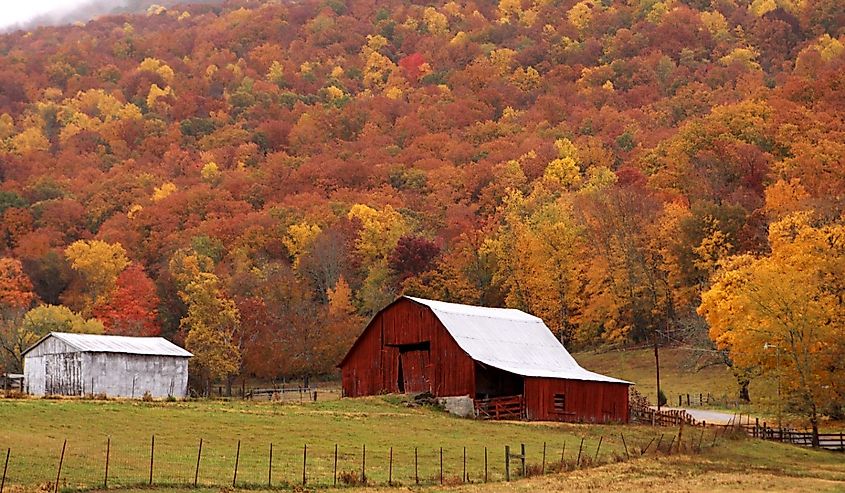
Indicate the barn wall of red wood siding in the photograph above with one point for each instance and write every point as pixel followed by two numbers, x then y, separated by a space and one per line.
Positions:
pixel 590 402
pixel 372 365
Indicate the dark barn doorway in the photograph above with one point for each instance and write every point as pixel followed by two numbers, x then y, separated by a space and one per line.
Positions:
pixel 492 382
pixel 413 367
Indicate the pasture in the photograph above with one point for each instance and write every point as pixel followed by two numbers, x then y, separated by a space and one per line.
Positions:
pixel 35 429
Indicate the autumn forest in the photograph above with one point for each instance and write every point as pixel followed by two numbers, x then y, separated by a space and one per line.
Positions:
pixel 255 179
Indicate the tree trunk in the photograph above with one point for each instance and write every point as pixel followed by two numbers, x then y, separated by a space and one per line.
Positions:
pixel 229 379
pixel 744 396
pixel 814 422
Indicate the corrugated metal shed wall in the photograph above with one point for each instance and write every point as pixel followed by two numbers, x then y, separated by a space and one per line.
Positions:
pixel 591 402
pixel 372 367
pixel 55 367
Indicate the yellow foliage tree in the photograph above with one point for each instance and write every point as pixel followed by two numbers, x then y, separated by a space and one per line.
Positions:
pixel 210 172
pixel 526 79
pixel 581 14
pixel 792 300
pixel 98 263
pixel 435 22
pixel 380 230
pixel 164 191
pixel 159 67
pixel 276 73
pixel 537 248
pixel 156 93
pixel 299 239
pixel 564 170
pixel 210 324
pixel 30 140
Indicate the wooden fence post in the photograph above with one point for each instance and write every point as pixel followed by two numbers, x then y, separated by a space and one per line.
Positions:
pixel 61 460
pixel 364 464
pixel 441 465
pixel 625 445
pixel 304 461
pixel 106 477
pixel 578 461
pixel 485 465
pixel 152 457
pixel 464 477
pixel 657 447
pixel 672 442
pixel 507 463
pixel 680 401
pixel 543 467
pixel 680 436
pixel 5 468
pixel 334 480
pixel 237 460
pixel 416 467
pixel 562 453
pixel 522 458
pixel 197 473
pixel 644 450
pixel 596 458
pixel 270 467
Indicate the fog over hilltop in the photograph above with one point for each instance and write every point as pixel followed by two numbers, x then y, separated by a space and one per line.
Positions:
pixel 33 13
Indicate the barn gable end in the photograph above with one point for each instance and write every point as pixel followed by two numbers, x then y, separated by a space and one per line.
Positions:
pixel 407 335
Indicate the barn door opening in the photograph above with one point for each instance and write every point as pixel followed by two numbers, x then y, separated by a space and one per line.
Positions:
pixel 414 366
pixel 492 382
pixel 401 379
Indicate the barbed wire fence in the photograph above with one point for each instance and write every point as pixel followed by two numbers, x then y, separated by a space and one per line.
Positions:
pixel 282 465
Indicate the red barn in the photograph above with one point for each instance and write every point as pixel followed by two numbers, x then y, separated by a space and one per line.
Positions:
pixel 506 360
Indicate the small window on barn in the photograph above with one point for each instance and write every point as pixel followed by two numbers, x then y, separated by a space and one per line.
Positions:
pixel 560 403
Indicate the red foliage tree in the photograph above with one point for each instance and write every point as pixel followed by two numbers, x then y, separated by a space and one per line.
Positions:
pixel 132 310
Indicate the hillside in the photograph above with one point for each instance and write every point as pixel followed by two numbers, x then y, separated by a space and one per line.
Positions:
pixel 682 372
pixel 267 175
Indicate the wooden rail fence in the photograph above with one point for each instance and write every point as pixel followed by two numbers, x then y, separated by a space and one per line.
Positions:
pixel 641 411
pixel 510 407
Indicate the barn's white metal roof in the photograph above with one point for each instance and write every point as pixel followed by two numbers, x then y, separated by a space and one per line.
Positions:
pixel 93 343
pixel 510 340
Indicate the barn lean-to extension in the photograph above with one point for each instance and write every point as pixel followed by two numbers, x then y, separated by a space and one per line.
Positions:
pixel 506 360
pixel 116 366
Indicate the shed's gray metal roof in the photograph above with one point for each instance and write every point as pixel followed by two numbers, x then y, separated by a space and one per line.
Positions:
pixel 510 340
pixel 94 343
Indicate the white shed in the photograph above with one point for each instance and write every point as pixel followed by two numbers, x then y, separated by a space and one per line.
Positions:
pixel 117 366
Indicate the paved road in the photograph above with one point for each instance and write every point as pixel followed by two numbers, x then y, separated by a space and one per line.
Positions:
pixel 715 417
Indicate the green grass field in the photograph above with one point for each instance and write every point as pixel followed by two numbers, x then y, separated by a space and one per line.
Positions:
pixel 35 429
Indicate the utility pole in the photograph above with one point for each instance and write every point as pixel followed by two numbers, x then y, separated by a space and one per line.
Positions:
pixel 657 369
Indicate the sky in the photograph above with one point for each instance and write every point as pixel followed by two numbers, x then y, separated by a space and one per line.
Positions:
pixel 16 12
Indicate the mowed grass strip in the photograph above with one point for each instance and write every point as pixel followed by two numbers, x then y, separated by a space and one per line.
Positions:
pixel 35 428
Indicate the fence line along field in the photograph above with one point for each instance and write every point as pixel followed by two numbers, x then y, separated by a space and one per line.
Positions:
pixel 37 429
